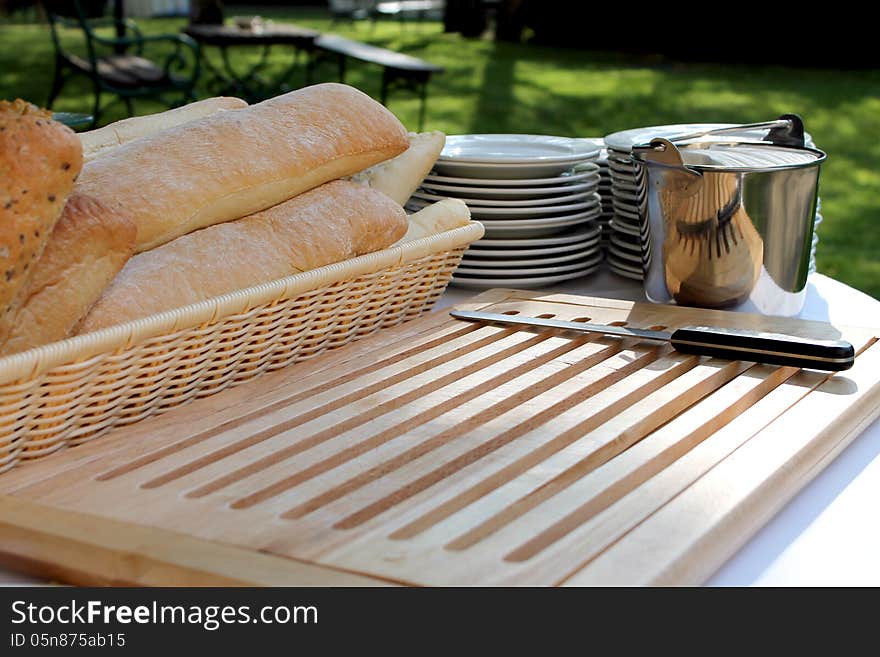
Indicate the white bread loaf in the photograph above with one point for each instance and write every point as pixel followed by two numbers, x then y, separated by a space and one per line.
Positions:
pixel 400 176
pixel 436 218
pixel 88 247
pixel 234 163
pixel 101 141
pixel 336 221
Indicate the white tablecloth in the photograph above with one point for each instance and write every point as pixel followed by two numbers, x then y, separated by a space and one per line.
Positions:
pixel 829 533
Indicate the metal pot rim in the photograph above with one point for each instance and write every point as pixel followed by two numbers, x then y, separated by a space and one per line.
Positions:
pixel 821 156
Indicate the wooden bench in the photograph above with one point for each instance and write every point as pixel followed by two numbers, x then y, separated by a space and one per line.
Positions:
pixel 399 70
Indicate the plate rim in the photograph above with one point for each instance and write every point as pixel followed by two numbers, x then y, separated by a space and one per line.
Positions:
pixel 578 216
pixel 540 210
pixel 510 267
pixel 519 170
pixel 541 280
pixel 514 182
pixel 549 250
pixel 537 252
pixel 560 201
pixel 532 239
pixel 540 190
pixel 591 152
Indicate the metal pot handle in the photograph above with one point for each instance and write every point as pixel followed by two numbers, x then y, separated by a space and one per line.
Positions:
pixel 662 151
pixel 787 130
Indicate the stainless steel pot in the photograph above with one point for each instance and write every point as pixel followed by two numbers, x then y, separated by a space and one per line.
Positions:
pixel 730 222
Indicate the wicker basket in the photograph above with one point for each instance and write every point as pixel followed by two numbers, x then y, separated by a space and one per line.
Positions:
pixel 74 390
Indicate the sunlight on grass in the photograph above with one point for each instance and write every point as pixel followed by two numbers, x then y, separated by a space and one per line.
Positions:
pixel 502 87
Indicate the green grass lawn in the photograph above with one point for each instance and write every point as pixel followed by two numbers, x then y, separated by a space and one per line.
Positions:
pixel 499 87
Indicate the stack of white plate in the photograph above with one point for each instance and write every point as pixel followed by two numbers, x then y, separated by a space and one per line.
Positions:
pixel 538 198
pixel 629 197
pixel 605 192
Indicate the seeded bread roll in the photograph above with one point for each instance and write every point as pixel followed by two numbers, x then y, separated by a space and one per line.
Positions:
pixel 39 160
pixel 88 247
pixel 238 162
pixel 336 221
pixel 103 140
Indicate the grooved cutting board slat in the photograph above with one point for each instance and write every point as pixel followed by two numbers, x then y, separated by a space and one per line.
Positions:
pixel 447 453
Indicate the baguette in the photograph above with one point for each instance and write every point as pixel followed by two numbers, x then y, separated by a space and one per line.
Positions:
pixel 101 141
pixel 334 222
pixel 39 160
pixel 88 247
pixel 238 162
pixel 436 218
pixel 400 176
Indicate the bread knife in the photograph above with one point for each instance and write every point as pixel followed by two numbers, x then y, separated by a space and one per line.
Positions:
pixel 732 344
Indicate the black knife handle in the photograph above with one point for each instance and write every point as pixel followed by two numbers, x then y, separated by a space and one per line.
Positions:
pixel 760 347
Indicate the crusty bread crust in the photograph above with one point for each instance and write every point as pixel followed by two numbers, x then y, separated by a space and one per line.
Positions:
pixel 39 160
pixel 101 141
pixel 336 221
pixel 88 247
pixel 400 176
pixel 238 162
pixel 436 218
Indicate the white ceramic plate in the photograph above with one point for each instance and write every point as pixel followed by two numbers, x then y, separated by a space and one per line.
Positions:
pixel 527 267
pixel 533 227
pixel 517 148
pixel 628 242
pixel 629 187
pixel 500 253
pixel 628 213
pixel 621 169
pixel 617 226
pixel 537 212
pixel 582 215
pixel 504 193
pixel 631 200
pixel 529 282
pixel 579 173
pixel 572 237
pixel 476 253
pixel 482 258
pixel 627 257
pixel 485 170
pixel 481 204
pixel 630 250
pixel 625 272
pixel 627 198
pixel 481 213
pixel 620 263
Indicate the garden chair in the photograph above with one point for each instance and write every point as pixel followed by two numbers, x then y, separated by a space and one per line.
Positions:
pixel 116 64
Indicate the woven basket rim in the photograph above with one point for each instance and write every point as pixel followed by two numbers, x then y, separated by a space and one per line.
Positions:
pixel 29 364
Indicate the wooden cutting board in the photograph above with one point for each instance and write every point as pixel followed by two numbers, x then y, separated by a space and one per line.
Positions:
pixel 447 453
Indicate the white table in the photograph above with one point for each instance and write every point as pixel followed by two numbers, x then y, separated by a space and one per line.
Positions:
pixel 148 8
pixel 821 537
